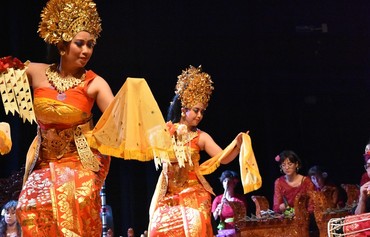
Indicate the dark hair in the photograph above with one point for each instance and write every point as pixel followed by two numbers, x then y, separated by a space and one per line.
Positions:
pixel 291 156
pixel 316 170
pixel 12 204
pixel 174 111
pixel 229 174
pixel 52 54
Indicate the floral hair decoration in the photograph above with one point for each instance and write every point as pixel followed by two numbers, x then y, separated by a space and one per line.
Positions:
pixel 277 158
pixel 10 62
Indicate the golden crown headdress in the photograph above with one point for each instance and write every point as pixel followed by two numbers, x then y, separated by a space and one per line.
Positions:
pixel 61 20
pixel 194 86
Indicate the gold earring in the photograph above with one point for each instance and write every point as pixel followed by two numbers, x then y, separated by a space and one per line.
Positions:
pixel 182 114
pixel 62 53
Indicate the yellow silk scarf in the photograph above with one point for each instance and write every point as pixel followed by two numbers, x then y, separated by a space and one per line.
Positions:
pixel 126 127
pixel 249 172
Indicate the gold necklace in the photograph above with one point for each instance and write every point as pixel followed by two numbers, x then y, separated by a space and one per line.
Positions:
pixel 61 84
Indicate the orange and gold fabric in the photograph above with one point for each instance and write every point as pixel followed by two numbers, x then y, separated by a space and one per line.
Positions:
pixel 5 138
pixel 181 205
pixel 183 196
pixel 60 197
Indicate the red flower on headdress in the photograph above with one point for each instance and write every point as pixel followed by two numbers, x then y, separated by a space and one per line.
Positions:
pixel 171 127
pixel 10 62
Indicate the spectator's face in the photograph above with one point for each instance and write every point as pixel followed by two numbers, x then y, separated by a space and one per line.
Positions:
pixel 317 180
pixel 10 217
pixel 367 167
pixel 228 183
pixel 367 148
pixel 289 167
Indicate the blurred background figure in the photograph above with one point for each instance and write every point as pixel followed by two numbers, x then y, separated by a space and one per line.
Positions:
pixel 366 175
pixel 9 226
pixel 130 232
pixel 320 178
pixel 226 206
pixel 363 204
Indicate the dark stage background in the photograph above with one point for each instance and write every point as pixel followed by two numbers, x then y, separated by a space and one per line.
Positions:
pixel 293 73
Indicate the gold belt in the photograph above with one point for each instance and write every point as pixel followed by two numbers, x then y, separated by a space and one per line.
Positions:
pixel 59 142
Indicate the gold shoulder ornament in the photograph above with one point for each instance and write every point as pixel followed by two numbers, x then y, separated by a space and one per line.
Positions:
pixel 15 89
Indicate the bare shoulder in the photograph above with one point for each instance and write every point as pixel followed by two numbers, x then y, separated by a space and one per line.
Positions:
pixel 204 135
pixel 36 73
pixel 98 84
pixel 100 89
pixel 34 68
pixel 207 143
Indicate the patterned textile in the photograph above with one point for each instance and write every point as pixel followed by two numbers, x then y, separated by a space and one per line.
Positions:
pixel 350 226
pixel 357 225
pixel 60 197
pixel 183 196
pixel 185 208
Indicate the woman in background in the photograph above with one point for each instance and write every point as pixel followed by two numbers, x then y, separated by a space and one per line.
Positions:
pixel 366 175
pixel 320 179
pixel 230 203
pixel 9 226
pixel 291 184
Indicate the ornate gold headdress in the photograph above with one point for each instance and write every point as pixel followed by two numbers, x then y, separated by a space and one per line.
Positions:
pixel 194 86
pixel 61 20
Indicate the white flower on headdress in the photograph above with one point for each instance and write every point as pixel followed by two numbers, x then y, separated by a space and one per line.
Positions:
pixel 3 212
pixel 181 129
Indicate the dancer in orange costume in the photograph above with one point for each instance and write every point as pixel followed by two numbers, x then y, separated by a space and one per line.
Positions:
pixel 181 205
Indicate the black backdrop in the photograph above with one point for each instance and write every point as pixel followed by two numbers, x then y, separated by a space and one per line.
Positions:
pixel 278 73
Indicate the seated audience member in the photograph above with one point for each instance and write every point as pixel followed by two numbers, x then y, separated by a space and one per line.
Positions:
pixel 9 226
pixel 130 232
pixel 363 204
pixel 319 178
pixel 366 175
pixel 291 184
pixel 226 205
